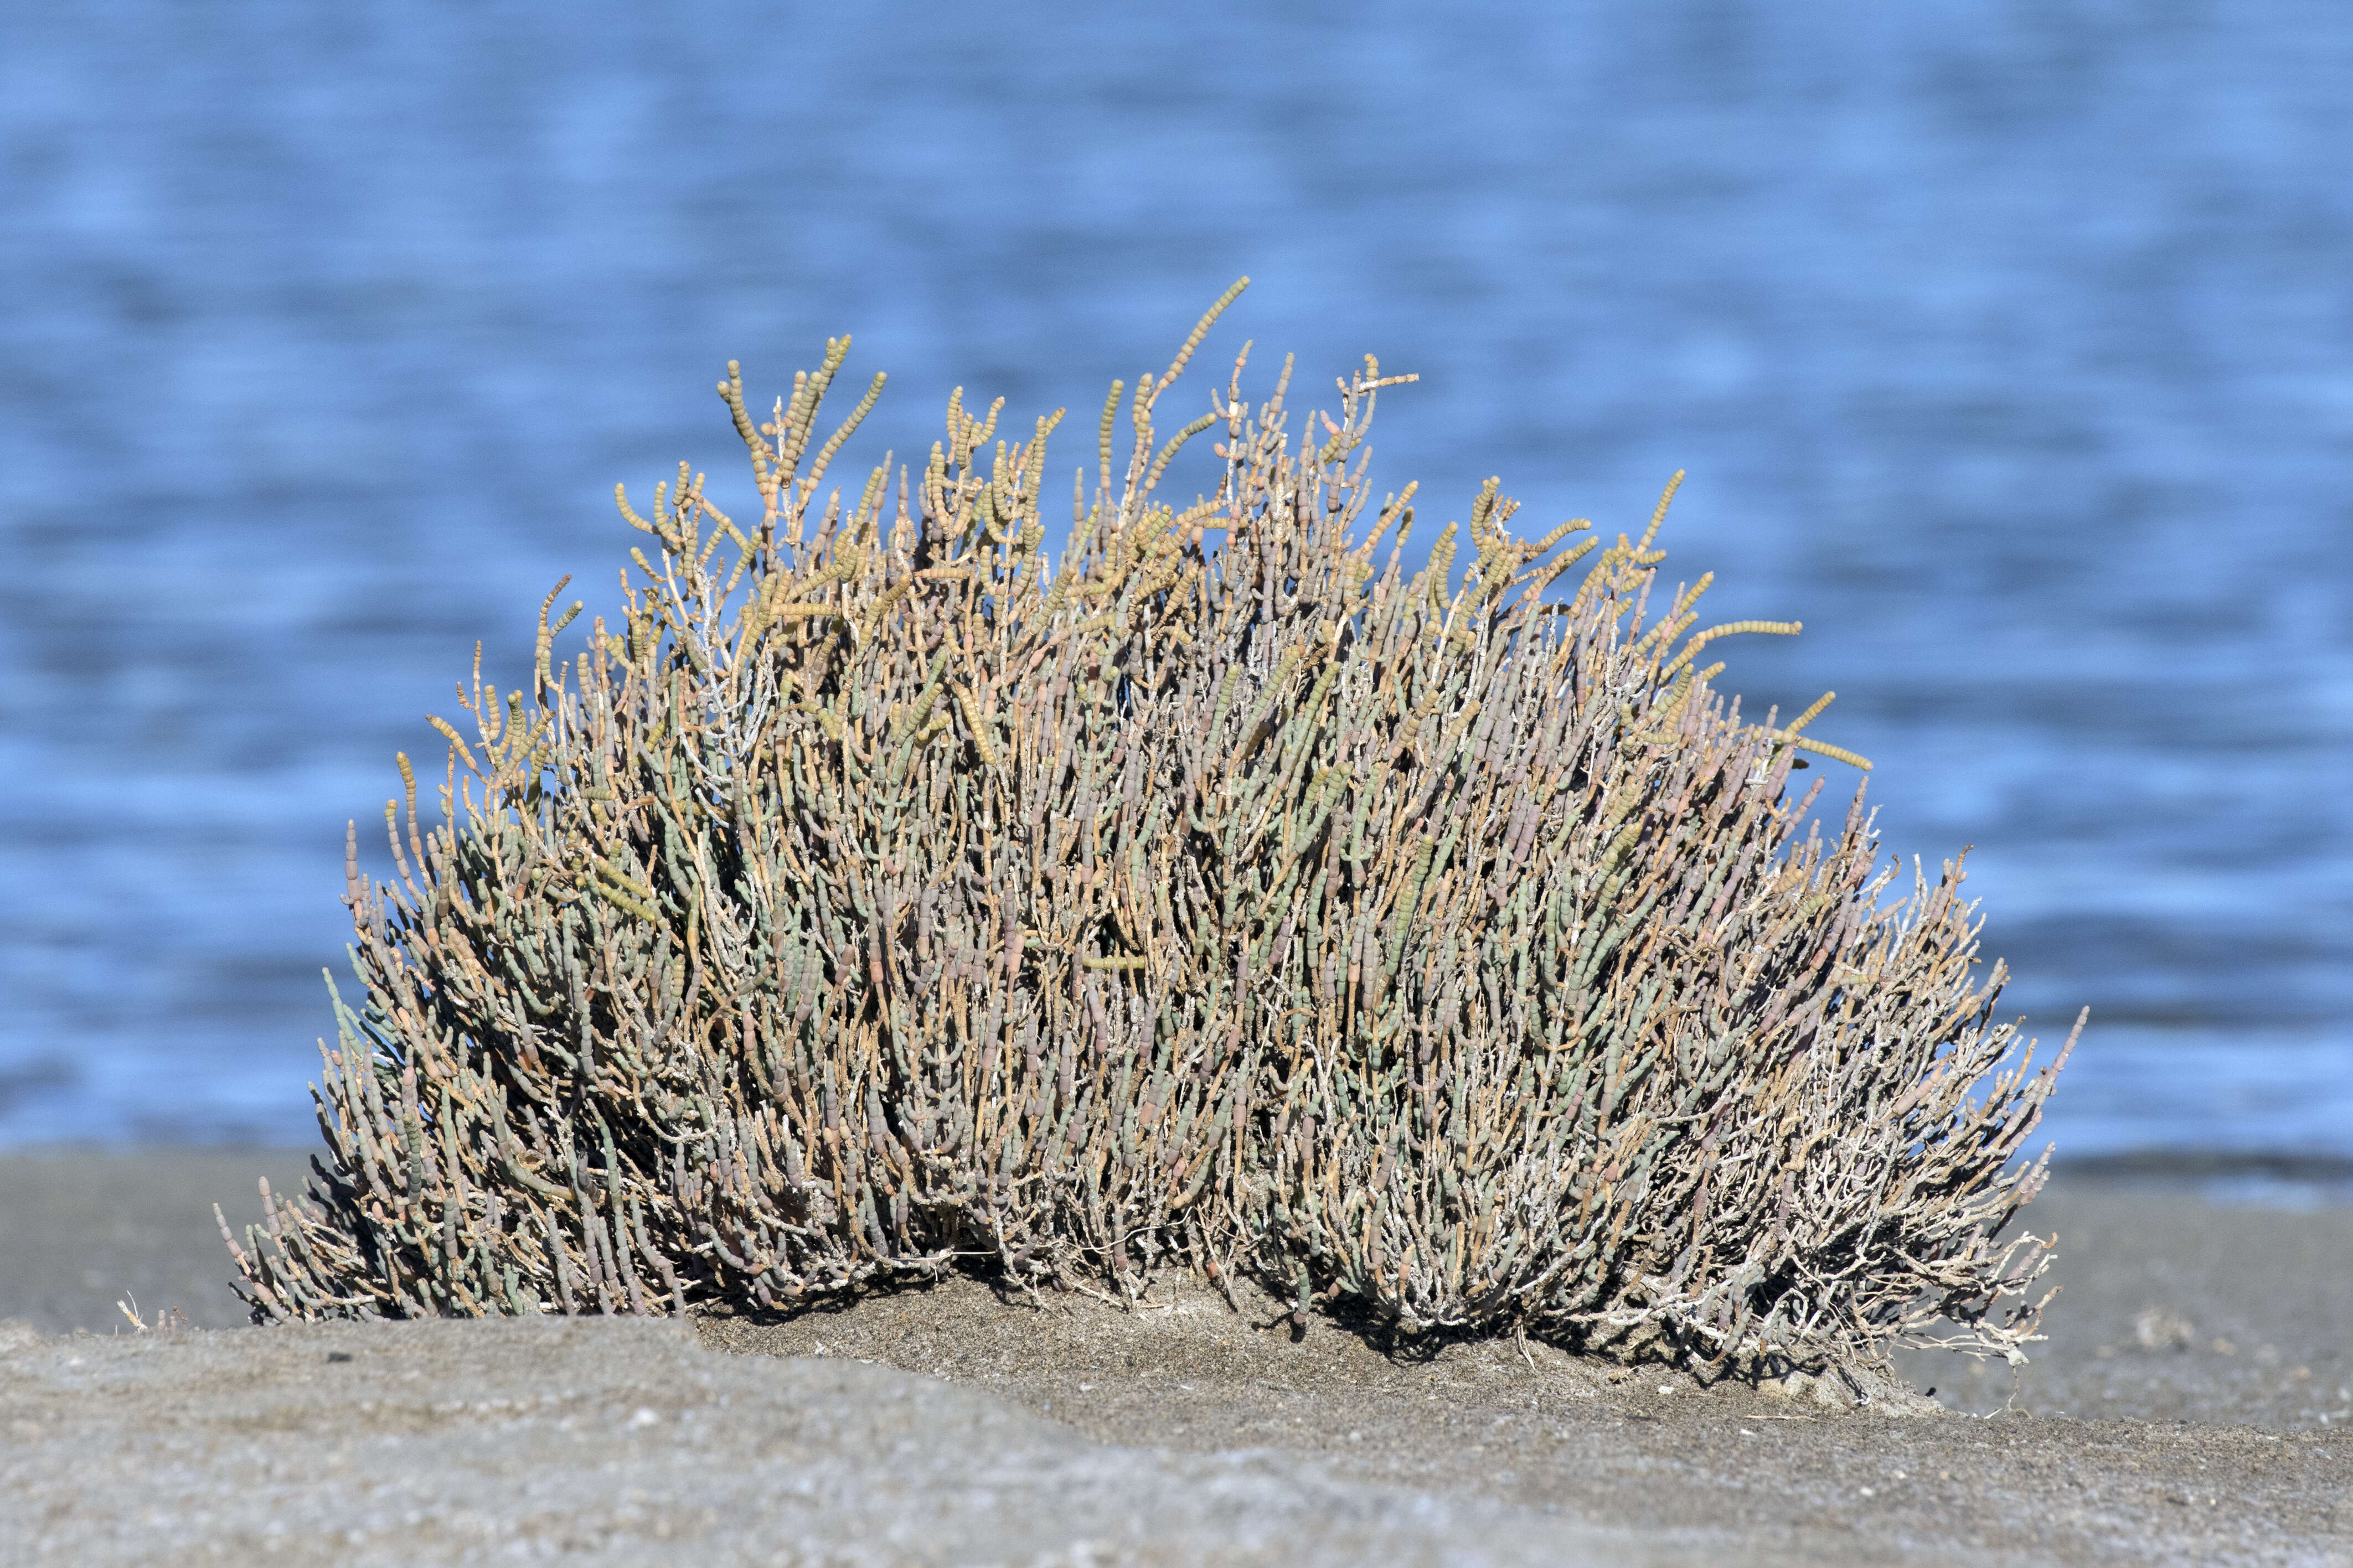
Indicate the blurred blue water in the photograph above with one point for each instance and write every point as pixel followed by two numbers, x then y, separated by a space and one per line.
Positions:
pixel 2010 347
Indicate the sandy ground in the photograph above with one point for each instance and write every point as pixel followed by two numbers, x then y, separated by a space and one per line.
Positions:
pixel 2191 1407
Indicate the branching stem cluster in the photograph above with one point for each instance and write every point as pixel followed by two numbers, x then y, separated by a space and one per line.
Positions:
pixel 881 898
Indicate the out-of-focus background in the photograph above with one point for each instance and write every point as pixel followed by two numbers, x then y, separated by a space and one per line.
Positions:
pixel 2009 346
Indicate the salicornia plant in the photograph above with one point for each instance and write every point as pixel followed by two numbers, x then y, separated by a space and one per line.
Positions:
pixel 879 899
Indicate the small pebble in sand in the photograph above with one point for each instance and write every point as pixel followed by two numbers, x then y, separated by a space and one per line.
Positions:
pixel 2159 1329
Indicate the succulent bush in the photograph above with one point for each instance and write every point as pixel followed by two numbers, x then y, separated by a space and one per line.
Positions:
pixel 879 900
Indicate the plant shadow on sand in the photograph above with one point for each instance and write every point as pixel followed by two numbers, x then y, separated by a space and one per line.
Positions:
pixel 969 1327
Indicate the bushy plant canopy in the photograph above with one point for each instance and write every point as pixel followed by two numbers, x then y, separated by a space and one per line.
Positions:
pixel 880 899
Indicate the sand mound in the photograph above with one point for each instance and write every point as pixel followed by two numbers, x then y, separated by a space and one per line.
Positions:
pixel 993 1430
